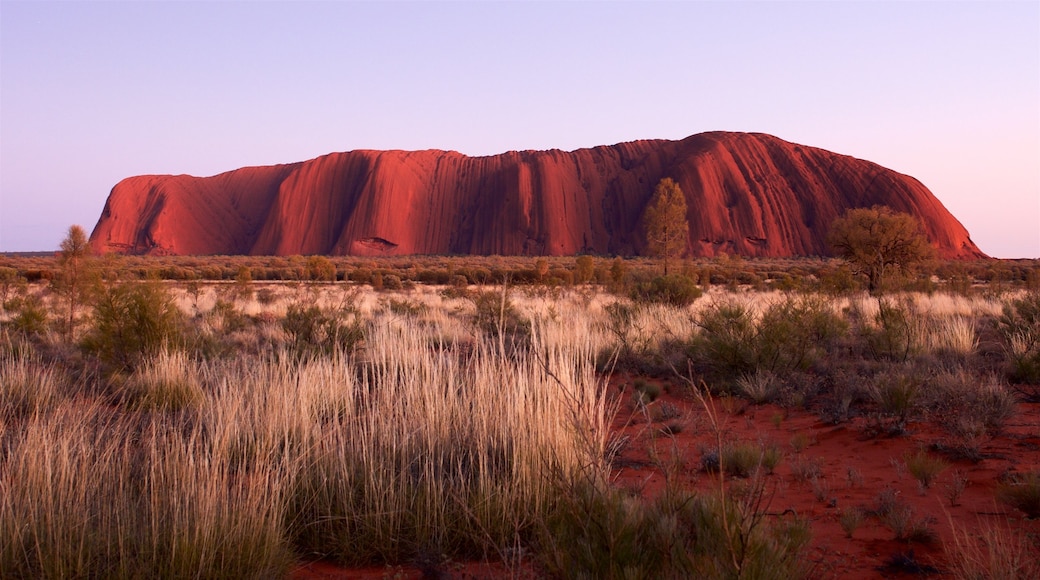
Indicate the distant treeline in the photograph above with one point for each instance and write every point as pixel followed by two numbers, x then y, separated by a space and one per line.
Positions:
pixel 823 274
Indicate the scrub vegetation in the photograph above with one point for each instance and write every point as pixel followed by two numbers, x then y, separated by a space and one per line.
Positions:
pixel 219 417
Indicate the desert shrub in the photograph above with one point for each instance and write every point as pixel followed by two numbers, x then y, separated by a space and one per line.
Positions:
pixel 313 329
pixel 392 282
pixel 1022 493
pixel 226 317
pixel 897 394
pixel 966 403
pixel 600 532
pixel 242 289
pixel 498 318
pixel 133 320
pixel 794 332
pixel 361 275
pixel 898 516
pixel 405 307
pixel 896 334
pixel 320 269
pixel 29 314
pixel 726 339
pixel 673 289
pixel 1019 326
pixel 791 335
pixel 584 269
pixel 266 296
pixel 850 519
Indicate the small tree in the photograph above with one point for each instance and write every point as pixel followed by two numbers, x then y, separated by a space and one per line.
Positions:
pixel 321 269
pixel 584 269
pixel 664 222
pixel 877 240
pixel 77 279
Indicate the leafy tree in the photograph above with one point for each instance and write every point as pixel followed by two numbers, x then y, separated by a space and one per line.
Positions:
pixel 321 269
pixel 77 280
pixel 877 240
pixel 664 222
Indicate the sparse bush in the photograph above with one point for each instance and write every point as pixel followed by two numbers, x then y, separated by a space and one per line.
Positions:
pixel 133 320
pixel 29 314
pixel 794 332
pixel 896 395
pixel 806 469
pixel 896 335
pixel 673 289
pixel 320 269
pixel 598 532
pixel 314 329
pixel 392 282
pixel 1019 326
pixel 726 338
pixel 498 318
pixel 790 335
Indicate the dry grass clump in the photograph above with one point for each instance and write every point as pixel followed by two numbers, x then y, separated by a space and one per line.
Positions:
pixel 924 466
pixel 89 494
pixel 415 446
pixel 991 551
pixel 1022 493
pixel 168 381
pixel 27 385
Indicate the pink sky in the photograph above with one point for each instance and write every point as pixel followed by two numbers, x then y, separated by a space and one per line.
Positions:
pixel 91 93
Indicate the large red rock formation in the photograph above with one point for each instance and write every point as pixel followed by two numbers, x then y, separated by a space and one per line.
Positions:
pixel 748 194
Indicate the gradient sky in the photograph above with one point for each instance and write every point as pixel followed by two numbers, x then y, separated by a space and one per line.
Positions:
pixel 91 93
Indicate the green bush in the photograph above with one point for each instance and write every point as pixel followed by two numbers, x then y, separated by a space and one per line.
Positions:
pixel 29 314
pixel 313 329
pixel 673 289
pixel 791 335
pixel 498 318
pixel 1019 326
pixel 895 336
pixel 600 532
pixel 133 320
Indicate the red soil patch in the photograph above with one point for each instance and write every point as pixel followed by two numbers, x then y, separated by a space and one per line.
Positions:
pixel 855 466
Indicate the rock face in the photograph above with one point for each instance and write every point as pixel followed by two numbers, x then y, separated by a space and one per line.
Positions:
pixel 747 194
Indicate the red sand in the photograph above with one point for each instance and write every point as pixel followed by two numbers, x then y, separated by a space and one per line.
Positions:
pixel 748 194
pixel 855 464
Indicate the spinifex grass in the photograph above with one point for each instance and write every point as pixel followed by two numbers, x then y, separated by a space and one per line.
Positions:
pixel 416 447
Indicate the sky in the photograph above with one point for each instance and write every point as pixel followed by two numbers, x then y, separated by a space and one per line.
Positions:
pixel 94 92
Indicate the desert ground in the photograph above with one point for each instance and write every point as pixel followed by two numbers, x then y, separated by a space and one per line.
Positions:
pixel 598 426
